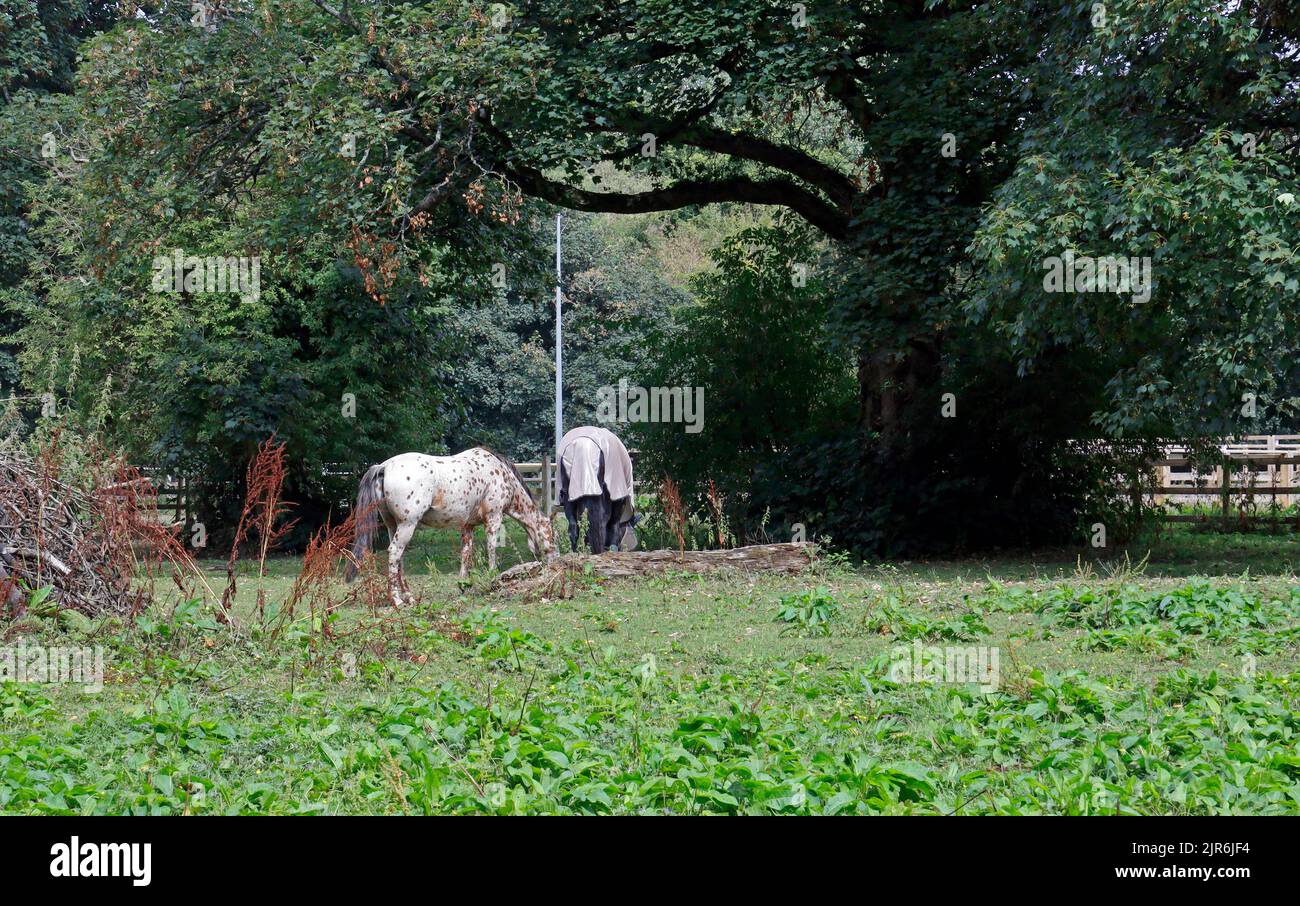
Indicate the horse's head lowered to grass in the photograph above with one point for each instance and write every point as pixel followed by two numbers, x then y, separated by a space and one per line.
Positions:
pixel 538 528
pixel 541 538
pixel 541 535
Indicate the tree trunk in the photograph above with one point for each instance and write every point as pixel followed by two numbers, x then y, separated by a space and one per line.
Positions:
pixel 892 383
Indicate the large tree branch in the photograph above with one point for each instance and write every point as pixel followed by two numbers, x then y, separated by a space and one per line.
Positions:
pixel 793 161
pixel 689 129
pixel 827 218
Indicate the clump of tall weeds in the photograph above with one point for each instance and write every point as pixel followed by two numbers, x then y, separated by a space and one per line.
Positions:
pixel 670 501
pixel 263 514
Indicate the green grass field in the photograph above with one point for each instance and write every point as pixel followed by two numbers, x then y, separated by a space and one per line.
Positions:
pixel 1170 685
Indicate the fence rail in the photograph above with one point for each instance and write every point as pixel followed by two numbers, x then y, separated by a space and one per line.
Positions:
pixel 539 479
pixel 1258 465
pixel 174 490
pixel 173 495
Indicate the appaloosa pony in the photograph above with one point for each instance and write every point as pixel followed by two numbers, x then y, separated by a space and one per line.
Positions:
pixel 473 488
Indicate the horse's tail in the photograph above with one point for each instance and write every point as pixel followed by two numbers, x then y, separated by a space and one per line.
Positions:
pixel 369 498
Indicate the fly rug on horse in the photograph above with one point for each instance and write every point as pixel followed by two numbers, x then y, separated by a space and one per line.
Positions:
pixel 476 487
pixel 596 479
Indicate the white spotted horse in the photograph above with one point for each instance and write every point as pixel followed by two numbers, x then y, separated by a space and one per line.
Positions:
pixel 476 487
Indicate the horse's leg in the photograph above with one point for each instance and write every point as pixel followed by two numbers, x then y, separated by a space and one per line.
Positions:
pixel 401 538
pixel 597 517
pixel 598 511
pixel 466 549
pixel 572 514
pixel 611 524
pixel 391 524
pixel 493 528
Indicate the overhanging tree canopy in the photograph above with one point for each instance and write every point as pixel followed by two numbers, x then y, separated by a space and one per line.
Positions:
pixel 945 151
pixel 895 128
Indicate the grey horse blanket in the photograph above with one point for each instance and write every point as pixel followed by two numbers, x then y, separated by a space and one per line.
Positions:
pixel 579 453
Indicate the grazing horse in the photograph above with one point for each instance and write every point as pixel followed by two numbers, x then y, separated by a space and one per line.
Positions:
pixel 596 479
pixel 473 488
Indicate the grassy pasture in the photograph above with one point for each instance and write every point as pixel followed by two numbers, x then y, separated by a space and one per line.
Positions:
pixel 1170 688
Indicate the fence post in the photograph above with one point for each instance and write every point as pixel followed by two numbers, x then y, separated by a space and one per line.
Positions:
pixel 1225 488
pixel 546 484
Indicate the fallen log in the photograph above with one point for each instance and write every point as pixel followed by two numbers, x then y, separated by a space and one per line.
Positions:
pixel 552 578
pixel 32 554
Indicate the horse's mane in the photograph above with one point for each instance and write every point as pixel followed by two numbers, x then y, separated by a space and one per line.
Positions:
pixel 505 460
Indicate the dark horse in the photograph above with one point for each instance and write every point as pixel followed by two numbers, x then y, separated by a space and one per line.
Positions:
pixel 595 476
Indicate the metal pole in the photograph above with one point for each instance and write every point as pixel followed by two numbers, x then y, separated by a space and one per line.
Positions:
pixel 559 362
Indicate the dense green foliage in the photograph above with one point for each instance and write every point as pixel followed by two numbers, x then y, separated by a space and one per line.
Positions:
pixel 781 444
pixel 38 51
pixel 614 300
pixel 772 374
pixel 398 718
pixel 1211 750
pixel 400 156
pixel 1200 178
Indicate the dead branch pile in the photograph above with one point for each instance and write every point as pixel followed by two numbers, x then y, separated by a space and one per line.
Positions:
pixel 77 539
pixel 554 579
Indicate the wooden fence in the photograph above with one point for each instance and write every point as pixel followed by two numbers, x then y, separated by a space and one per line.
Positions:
pixel 539 479
pixel 173 495
pixel 1257 465
pixel 173 490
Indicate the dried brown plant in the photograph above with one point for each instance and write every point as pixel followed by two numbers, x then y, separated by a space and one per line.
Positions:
pixel 319 571
pixel 263 512
pixel 717 503
pixel 670 499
